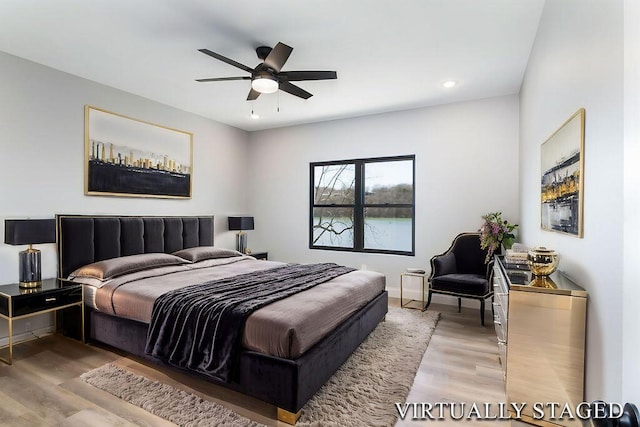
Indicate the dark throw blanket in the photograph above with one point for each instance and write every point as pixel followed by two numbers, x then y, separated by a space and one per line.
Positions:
pixel 199 327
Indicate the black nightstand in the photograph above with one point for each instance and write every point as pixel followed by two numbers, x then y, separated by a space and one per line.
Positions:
pixel 19 303
pixel 260 255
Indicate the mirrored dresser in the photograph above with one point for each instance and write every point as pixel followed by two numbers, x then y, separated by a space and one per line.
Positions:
pixel 540 322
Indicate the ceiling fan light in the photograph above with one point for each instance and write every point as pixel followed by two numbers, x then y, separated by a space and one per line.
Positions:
pixel 264 84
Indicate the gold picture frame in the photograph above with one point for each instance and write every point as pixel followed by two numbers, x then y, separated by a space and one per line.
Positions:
pixel 133 158
pixel 562 178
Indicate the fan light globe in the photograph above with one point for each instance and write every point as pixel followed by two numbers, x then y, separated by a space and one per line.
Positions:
pixel 264 85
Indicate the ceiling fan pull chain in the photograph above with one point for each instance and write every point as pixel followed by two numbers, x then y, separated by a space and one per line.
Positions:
pixel 278 101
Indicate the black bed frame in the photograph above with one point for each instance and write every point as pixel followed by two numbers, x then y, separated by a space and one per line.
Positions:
pixel 285 383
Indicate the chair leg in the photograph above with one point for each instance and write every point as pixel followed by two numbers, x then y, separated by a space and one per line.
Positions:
pixel 482 311
pixel 459 304
pixel 428 299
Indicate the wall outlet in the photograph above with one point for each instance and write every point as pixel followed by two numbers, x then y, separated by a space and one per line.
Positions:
pixel 27 326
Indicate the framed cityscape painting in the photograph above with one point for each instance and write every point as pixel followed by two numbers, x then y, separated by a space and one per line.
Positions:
pixel 129 157
pixel 562 180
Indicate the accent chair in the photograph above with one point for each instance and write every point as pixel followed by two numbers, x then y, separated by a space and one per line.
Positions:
pixel 461 272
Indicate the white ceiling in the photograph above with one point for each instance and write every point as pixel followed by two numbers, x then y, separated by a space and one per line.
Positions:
pixel 389 55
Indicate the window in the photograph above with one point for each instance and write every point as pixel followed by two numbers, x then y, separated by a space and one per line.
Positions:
pixel 364 205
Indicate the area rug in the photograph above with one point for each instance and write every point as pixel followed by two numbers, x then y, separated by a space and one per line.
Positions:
pixel 362 392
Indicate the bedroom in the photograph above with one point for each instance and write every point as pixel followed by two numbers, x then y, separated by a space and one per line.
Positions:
pixel 572 64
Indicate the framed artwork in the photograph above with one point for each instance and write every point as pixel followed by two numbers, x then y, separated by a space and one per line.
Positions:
pixel 133 158
pixel 562 180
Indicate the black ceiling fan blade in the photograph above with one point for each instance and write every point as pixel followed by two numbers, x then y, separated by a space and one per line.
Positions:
pixel 253 95
pixel 295 90
pixel 278 56
pixel 227 60
pixel 223 79
pixel 296 76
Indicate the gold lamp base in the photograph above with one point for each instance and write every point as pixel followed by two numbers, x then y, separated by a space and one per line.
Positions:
pixel 30 285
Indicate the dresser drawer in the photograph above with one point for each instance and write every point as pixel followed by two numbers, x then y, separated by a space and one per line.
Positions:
pixel 500 323
pixel 501 298
pixel 499 281
pixel 40 301
pixel 502 354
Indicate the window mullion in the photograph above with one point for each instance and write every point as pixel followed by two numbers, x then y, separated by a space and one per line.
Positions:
pixel 358 211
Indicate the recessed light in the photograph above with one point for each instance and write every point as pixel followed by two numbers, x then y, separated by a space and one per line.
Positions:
pixel 449 84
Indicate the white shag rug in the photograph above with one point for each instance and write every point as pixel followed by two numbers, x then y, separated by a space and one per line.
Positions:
pixel 362 392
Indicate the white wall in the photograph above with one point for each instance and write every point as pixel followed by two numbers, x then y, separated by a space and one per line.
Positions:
pixel 631 279
pixel 577 61
pixel 466 166
pixel 42 151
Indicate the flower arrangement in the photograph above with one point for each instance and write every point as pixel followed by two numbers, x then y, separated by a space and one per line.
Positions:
pixel 495 232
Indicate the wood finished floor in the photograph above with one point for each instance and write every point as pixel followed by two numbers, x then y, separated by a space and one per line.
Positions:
pixel 43 385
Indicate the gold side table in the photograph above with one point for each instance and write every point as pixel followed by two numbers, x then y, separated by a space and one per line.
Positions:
pixel 422 277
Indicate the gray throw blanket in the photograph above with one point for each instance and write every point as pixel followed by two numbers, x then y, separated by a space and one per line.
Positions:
pixel 199 327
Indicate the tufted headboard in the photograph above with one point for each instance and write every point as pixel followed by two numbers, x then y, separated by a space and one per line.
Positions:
pixel 84 239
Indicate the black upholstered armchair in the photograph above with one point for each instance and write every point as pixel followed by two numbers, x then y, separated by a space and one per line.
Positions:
pixel 461 272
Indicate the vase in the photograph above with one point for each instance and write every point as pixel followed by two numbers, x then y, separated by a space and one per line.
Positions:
pixel 508 242
pixel 543 282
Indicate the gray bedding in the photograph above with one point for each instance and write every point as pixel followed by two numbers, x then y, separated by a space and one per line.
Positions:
pixel 286 328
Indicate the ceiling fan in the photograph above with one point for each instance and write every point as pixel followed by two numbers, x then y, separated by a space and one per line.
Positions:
pixel 266 77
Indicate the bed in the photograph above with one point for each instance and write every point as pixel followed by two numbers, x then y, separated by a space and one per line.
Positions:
pixel 280 367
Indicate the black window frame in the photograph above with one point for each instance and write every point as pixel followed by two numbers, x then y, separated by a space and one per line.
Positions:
pixel 359 205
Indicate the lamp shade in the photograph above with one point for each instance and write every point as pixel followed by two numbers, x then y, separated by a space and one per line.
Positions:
pixel 241 223
pixel 29 231
pixel 264 84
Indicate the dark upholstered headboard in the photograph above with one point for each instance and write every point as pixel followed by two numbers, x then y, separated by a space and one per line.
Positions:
pixel 85 239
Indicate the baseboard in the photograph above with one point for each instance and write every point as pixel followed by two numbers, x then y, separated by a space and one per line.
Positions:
pixel 437 298
pixel 27 336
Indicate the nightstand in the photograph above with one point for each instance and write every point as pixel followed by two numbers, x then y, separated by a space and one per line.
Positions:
pixel 19 303
pixel 420 276
pixel 260 255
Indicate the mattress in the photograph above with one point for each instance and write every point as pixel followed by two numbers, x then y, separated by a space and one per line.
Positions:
pixel 286 328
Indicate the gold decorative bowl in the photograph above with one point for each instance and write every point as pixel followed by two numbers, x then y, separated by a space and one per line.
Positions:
pixel 542 261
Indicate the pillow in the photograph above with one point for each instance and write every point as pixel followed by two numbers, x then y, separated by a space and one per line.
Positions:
pixel 445 264
pixel 113 267
pixel 201 253
pixel 85 280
